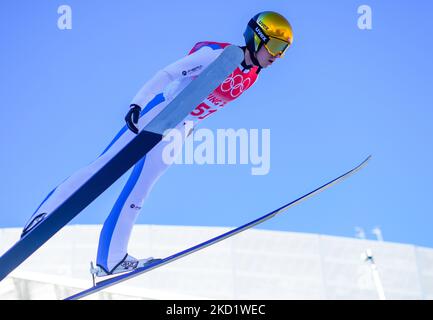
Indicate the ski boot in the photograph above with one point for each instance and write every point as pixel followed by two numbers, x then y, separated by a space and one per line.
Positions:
pixel 128 264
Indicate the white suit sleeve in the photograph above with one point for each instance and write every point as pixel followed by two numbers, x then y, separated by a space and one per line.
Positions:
pixel 188 67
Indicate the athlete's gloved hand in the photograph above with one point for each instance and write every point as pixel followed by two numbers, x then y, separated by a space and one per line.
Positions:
pixel 132 117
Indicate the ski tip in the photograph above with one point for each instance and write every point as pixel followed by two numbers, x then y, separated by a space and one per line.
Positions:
pixel 235 51
pixel 361 165
pixel 367 159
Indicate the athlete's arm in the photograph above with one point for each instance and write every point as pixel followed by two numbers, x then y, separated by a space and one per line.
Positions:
pixel 187 67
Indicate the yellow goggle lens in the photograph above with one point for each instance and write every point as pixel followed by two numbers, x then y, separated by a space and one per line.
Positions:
pixel 276 46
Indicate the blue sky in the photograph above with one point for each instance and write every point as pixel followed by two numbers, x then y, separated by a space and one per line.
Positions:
pixel 340 94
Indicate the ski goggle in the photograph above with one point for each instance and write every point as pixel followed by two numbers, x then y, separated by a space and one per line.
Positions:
pixel 276 46
pixel 273 45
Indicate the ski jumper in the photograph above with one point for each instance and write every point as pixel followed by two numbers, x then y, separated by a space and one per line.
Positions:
pixel 153 97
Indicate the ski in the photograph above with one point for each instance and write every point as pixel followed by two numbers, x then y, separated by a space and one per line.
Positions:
pixel 147 138
pixel 160 262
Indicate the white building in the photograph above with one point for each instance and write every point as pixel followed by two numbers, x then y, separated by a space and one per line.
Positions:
pixel 256 264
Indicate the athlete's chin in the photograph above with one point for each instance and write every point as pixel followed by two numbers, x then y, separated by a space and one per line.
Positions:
pixel 266 64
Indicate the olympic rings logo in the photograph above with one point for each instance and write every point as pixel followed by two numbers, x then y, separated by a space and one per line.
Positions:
pixel 235 84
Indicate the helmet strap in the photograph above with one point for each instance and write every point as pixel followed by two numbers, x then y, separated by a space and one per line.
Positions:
pixel 255 60
pixel 252 57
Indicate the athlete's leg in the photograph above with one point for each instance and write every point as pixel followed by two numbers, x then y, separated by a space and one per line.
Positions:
pixel 115 234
